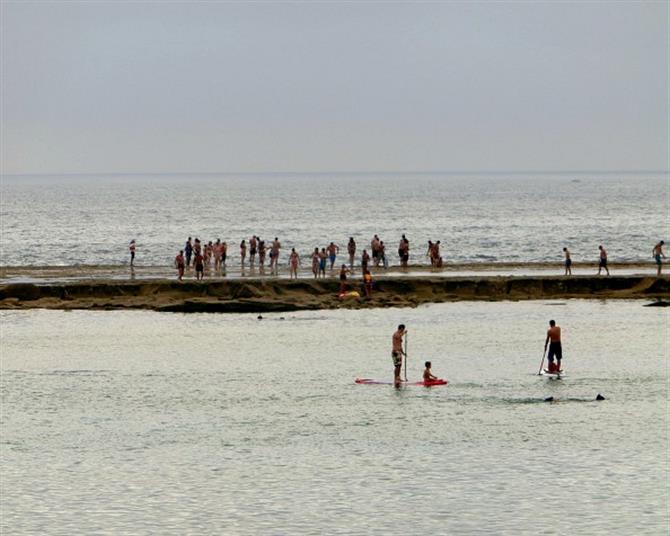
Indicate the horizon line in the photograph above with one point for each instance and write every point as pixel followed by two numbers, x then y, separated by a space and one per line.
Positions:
pixel 350 172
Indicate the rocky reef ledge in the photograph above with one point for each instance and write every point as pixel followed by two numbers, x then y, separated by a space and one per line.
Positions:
pixel 266 295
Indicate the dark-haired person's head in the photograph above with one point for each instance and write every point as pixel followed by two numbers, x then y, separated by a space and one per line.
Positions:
pixel 427 364
pixel 552 323
pixel 401 326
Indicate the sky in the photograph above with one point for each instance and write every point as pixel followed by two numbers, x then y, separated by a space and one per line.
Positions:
pixel 172 87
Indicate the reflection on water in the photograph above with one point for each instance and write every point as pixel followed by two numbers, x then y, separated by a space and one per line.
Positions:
pixel 141 422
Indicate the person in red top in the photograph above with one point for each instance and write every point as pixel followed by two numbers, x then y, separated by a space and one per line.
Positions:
pixel 555 349
pixel 180 264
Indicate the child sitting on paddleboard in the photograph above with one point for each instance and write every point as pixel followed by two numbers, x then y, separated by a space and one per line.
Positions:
pixel 427 374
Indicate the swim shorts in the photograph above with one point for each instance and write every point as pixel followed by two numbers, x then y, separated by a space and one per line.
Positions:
pixel 568 262
pixel 603 262
pixel 555 349
pixel 397 359
pixel 322 264
pixel 658 259
pixel 332 259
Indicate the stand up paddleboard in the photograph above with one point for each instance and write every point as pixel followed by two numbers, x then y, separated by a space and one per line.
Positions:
pixel 553 375
pixel 432 383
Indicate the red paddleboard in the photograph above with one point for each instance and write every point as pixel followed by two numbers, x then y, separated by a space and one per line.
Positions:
pixel 431 383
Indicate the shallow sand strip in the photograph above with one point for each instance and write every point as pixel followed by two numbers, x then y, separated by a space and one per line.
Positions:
pixel 264 295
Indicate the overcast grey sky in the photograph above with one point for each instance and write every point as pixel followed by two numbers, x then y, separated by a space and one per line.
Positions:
pixel 213 87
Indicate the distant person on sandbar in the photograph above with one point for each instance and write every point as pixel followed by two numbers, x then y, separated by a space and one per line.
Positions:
pixel 365 260
pixel 131 247
pixel 243 252
pixel 397 353
pixel 568 262
pixel 188 250
pixel 179 264
pixel 253 244
pixel 555 350
pixel 367 283
pixel 323 260
pixel 374 246
pixel 199 262
pixel 658 254
pixel 403 251
pixel 217 254
pixel 431 253
pixel 603 260
pixel 315 262
pixel 293 263
pixel 261 253
pixel 343 278
pixel 197 248
pixel 382 254
pixel 274 254
pixel 427 374
pixel 351 249
pixel 333 250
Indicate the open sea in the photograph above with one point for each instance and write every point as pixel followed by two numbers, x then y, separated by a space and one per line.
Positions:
pixel 137 422
pixel 67 220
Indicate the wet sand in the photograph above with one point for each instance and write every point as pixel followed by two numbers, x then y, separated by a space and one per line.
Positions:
pixel 97 290
pixel 123 272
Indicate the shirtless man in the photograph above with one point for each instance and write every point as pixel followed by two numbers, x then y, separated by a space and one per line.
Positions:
pixel 603 260
pixel 253 244
pixel 657 253
pixel 293 263
pixel 365 260
pixel 261 253
pixel 199 263
pixel 554 341
pixel 333 250
pixel 568 262
pixel 374 246
pixel 397 353
pixel 351 249
pixel 179 264
pixel 274 254
pixel 428 376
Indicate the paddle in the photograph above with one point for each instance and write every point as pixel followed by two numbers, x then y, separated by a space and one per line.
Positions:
pixel 405 355
pixel 544 352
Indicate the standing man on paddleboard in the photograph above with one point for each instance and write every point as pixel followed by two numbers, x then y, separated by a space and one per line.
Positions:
pixel 397 353
pixel 554 341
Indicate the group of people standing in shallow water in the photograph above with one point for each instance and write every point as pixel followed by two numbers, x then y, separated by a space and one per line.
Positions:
pixel 213 255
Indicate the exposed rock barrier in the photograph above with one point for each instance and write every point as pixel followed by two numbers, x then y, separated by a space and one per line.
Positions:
pixel 267 295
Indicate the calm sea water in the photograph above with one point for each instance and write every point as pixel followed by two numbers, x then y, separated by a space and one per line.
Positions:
pixel 150 423
pixel 90 220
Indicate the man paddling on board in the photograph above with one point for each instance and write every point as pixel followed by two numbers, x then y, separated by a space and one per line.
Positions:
pixel 554 337
pixel 397 353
